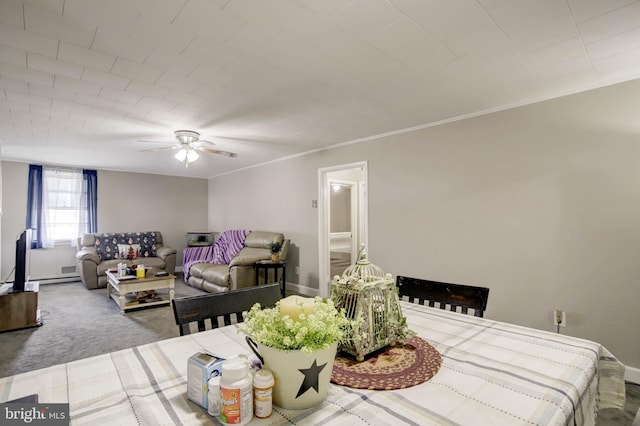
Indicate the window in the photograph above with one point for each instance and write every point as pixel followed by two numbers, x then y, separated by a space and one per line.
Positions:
pixel 61 205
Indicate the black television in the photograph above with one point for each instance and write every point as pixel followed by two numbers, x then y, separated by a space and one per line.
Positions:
pixel 23 247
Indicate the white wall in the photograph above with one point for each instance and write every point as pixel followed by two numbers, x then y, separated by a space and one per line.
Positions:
pixel 541 204
pixel 126 202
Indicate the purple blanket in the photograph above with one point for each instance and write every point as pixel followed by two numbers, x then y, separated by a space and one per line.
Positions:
pixel 226 248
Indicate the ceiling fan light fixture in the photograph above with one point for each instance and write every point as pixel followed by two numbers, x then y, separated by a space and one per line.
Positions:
pixel 181 155
pixel 192 156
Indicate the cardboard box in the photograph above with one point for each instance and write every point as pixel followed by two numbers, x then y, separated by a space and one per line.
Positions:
pixel 200 368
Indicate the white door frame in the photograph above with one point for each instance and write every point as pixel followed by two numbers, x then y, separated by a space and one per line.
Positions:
pixel 324 265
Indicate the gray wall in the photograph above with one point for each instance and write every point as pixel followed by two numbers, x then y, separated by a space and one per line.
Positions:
pixel 540 203
pixel 126 202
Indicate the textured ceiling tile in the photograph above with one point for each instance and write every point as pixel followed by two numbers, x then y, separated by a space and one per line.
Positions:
pixel 411 45
pixel 569 67
pixel 27 98
pixel 93 101
pixel 163 10
pixel 208 20
pixel 257 41
pixel 143 88
pixel 546 34
pixel 15 85
pixel 172 62
pixel 75 107
pixel 623 65
pixel 118 44
pixel 26 40
pixel 55 6
pixel 512 16
pixel 19 73
pixel 99 13
pixel 13 56
pixel 103 78
pixel 75 85
pixel 557 53
pixel 612 23
pixel 365 17
pixel 184 98
pixel 119 95
pixel 11 13
pixel 584 10
pixel 325 7
pixel 495 61
pixel 135 70
pixel 83 56
pixel 157 104
pixel 58 27
pixel 614 45
pixel 177 82
pixel 450 22
pixel 168 37
pixel 53 66
pixel 51 92
pixel 210 55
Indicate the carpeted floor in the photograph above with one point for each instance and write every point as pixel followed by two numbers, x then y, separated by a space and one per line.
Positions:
pixel 80 323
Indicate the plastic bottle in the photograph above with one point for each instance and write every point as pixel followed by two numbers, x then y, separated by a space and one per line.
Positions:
pixel 213 396
pixel 263 393
pixel 236 392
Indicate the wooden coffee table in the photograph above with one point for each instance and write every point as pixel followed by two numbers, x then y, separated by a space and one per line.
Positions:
pixel 117 289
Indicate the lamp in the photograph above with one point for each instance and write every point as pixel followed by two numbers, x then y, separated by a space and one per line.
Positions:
pixel 187 155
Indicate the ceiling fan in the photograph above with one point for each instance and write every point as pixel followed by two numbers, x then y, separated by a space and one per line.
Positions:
pixel 188 144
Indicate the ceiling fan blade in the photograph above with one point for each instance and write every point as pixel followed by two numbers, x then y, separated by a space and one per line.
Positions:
pixel 160 149
pixel 162 142
pixel 203 142
pixel 216 151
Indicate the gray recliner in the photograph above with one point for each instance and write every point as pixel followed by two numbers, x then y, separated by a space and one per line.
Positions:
pixel 239 273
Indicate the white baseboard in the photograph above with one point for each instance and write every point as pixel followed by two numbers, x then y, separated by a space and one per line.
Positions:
pixel 303 290
pixel 632 374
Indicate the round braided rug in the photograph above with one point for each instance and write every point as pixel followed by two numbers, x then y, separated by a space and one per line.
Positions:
pixel 394 367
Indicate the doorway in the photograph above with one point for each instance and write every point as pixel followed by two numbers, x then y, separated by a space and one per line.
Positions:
pixel 342 221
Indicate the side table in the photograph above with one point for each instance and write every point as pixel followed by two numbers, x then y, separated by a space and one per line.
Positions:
pixel 276 266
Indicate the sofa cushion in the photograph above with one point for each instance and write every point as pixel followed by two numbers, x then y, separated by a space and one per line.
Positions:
pixel 249 255
pixel 261 239
pixel 107 244
pixel 217 274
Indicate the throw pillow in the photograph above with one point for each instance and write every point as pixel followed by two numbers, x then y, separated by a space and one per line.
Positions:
pixel 129 251
pixel 106 246
pixel 147 244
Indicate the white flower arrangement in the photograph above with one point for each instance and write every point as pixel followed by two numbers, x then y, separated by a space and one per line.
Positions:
pixel 313 324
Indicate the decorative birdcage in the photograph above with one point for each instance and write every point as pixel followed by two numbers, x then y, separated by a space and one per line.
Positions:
pixel 370 297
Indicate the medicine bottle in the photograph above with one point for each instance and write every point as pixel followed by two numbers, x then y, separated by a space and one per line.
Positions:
pixel 263 393
pixel 236 392
pixel 213 396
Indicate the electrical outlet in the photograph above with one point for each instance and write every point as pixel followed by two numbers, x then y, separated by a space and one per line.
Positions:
pixel 297 270
pixel 560 318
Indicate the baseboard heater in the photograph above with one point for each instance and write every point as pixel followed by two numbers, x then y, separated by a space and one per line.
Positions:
pixel 57 279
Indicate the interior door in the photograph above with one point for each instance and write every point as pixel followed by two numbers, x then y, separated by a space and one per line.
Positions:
pixel 338 247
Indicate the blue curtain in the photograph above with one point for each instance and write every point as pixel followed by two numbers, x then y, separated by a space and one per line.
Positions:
pixel 34 205
pixel 90 178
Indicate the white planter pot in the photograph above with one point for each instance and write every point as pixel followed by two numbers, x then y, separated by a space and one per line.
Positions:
pixel 302 379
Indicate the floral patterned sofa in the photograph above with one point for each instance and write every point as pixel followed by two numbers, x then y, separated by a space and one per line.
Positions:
pixel 99 252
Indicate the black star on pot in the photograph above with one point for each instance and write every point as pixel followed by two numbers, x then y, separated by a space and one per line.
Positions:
pixel 311 375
